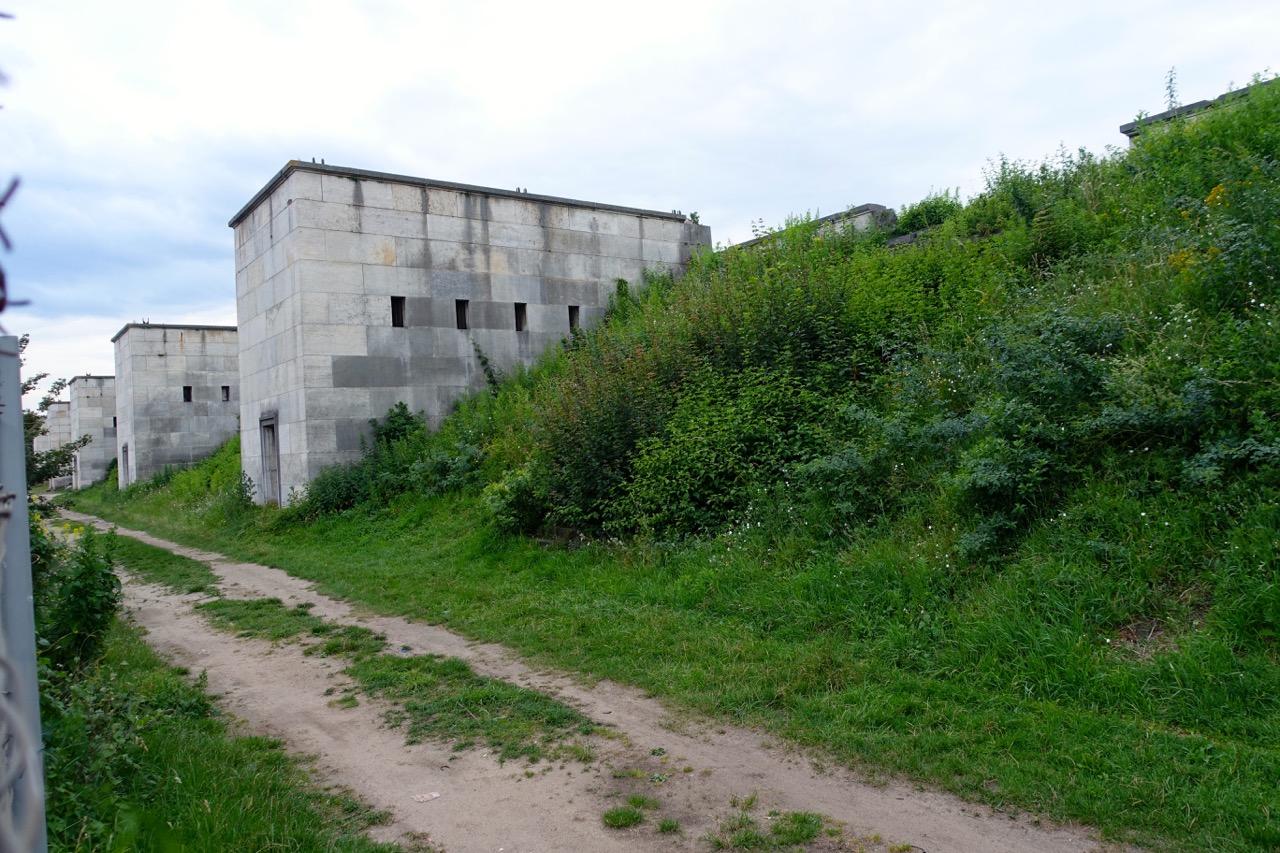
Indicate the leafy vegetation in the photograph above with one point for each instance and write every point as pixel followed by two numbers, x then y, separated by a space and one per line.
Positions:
pixel 995 509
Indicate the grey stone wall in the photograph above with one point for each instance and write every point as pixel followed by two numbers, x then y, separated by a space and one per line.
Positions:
pixel 177 395
pixel 57 424
pixel 348 286
pixel 93 413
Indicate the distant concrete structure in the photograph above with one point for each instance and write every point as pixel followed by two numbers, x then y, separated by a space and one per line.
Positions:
pixel 357 290
pixel 57 424
pixel 1190 112
pixel 177 395
pixel 858 218
pixel 93 413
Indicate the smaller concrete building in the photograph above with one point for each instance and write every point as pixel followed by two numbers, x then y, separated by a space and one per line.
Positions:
pixel 177 395
pixel 858 218
pixel 57 424
pixel 93 413
pixel 1188 112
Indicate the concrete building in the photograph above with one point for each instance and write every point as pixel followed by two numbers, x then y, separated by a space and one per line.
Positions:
pixel 858 218
pixel 177 395
pixel 93 413
pixel 1189 112
pixel 357 290
pixel 57 425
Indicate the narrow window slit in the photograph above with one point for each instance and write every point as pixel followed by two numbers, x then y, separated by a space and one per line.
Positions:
pixel 522 316
pixel 397 311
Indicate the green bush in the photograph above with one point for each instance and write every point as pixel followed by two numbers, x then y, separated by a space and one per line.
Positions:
pixel 934 209
pixel 729 439
pixel 75 592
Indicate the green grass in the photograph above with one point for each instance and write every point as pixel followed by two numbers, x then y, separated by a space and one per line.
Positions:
pixel 266 618
pixel 641 801
pixel 741 830
pixel 796 828
pixel 157 565
pixel 719 628
pixel 138 760
pixel 622 817
pixel 443 699
pixel 438 698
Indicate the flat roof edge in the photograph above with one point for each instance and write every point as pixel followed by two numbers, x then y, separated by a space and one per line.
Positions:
pixel 348 172
pixel 193 328
pixel 851 213
pixel 1130 129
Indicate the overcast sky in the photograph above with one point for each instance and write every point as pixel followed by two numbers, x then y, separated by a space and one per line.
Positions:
pixel 139 128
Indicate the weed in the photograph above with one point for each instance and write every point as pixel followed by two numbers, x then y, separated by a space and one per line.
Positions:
pixel 622 817
pixel 640 801
pixel 668 825
pixel 796 827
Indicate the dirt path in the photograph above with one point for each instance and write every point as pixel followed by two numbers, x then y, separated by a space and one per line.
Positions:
pixel 483 806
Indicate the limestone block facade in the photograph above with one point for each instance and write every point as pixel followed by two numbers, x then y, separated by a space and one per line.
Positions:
pixel 57 424
pixel 177 395
pixel 357 290
pixel 93 413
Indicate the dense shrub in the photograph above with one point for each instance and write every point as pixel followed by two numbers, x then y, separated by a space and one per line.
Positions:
pixel 75 592
pixel 934 209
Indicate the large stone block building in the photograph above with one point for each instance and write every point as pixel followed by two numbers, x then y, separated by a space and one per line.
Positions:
pixel 92 401
pixel 177 395
pixel 357 290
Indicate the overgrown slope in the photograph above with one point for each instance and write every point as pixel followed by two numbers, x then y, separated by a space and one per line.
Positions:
pixel 997 508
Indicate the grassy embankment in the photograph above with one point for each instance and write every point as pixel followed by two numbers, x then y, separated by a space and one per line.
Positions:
pixel 996 510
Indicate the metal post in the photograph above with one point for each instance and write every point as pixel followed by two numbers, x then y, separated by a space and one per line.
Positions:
pixel 22 825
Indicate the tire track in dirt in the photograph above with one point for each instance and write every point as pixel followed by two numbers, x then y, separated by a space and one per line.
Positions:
pixel 483 806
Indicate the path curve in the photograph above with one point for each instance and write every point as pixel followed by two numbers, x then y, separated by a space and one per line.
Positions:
pixel 482 806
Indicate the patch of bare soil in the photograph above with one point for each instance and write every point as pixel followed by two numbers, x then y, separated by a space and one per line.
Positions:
pixel 699 771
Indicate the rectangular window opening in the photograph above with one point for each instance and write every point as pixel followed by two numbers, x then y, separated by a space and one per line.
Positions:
pixel 522 316
pixel 461 306
pixel 186 393
pixel 226 393
pixel 113 423
pixel 573 317
pixel 397 311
